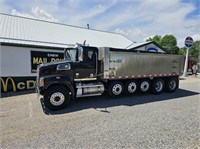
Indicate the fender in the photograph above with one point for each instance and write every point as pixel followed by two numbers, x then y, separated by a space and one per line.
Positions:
pixel 61 80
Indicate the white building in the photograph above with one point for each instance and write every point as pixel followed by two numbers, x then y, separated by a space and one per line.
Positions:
pixel 26 42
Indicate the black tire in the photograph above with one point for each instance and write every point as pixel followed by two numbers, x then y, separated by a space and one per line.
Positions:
pixel 144 85
pixel 116 89
pixel 157 86
pixel 171 84
pixel 56 98
pixel 130 87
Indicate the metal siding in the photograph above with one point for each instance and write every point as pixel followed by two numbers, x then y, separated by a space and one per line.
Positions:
pixel 37 32
pixel 2 24
pixel 6 30
pixel 10 27
pixel 13 26
pixel 140 64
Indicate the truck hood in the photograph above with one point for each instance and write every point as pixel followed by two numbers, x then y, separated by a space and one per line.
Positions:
pixel 52 63
pixel 51 68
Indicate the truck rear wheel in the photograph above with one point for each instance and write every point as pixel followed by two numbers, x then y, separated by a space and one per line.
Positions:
pixel 157 86
pixel 116 88
pixel 144 85
pixel 130 87
pixel 56 98
pixel 171 84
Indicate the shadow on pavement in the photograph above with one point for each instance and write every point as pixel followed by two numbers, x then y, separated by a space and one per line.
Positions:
pixel 10 94
pixel 101 103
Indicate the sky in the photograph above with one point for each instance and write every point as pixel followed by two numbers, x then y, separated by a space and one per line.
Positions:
pixel 135 19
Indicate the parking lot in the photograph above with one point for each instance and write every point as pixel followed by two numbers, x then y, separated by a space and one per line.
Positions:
pixel 166 121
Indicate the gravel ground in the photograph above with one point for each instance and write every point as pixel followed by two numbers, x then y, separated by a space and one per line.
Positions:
pixel 166 121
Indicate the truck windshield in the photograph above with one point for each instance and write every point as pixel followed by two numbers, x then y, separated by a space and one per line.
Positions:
pixel 71 55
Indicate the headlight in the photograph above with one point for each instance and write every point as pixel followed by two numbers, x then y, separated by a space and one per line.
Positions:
pixel 41 82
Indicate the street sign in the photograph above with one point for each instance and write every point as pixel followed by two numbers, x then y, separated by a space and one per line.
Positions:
pixel 188 42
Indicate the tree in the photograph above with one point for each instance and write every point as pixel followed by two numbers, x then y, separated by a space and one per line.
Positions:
pixel 182 51
pixel 175 50
pixel 194 51
pixel 156 38
pixel 169 43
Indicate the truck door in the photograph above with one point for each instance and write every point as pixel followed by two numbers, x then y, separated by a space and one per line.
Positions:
pixel 86 70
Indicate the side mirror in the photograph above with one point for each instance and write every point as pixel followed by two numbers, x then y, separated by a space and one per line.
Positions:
pixel 80 54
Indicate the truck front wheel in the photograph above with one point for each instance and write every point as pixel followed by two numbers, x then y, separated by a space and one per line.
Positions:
pixel 56 98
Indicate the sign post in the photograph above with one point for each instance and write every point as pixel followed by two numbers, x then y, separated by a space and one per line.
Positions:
pixel 188 44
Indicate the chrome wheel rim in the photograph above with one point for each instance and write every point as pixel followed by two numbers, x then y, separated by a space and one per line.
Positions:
pixel 144 86
pixel 132 87
pixel 57 99
pixel 117 89
pixel 159 86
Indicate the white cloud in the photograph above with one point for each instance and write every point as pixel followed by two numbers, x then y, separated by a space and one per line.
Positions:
pixel 193 28
pixel 43 15
pixel 36 13
pixel 80 13
pixel 135 19
pixel 196 37
pixel 17 13
pixel 151 36
pixel 121 31
pixel 131 33
pixel 160 18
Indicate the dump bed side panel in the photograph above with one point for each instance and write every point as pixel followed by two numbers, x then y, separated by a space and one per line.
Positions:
pixel 132 64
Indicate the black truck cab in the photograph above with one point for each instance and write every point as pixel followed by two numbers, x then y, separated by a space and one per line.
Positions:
pixel 60 82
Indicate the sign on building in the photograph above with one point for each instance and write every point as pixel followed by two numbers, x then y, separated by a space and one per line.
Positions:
pixel 38 57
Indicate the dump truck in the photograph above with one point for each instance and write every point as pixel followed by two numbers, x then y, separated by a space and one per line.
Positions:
pixel 92 71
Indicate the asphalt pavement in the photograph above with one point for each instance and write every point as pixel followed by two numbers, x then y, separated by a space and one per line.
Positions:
pixel 166 121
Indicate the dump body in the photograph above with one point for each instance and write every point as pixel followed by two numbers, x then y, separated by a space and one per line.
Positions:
pixel 134 64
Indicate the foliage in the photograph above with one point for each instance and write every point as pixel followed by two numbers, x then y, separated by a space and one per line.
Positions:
pixel 156 38
pixel 182 51
pixel 168 42
pixel 194 51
